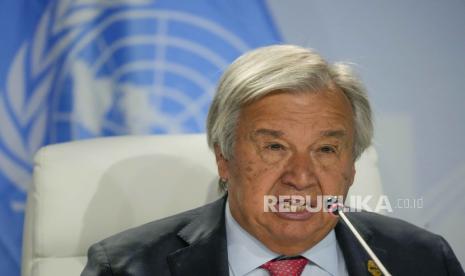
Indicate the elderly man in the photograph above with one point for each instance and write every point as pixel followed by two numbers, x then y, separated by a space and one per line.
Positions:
pixel 283 122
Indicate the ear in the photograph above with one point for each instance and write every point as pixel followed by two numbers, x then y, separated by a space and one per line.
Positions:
pixel 352 174
pixel 221 163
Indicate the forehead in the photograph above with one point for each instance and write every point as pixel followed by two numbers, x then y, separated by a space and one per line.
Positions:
pixel 320 109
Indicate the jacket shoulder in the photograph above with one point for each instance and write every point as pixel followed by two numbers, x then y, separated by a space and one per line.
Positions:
pixel 407 244
pixel 152 232
pixel 143 248
pixel 389 227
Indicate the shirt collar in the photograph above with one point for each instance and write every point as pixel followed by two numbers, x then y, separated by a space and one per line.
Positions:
pixel 246 253
pixel 325 254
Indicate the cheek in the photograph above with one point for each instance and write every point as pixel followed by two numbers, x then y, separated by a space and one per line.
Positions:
pixel 336 179
pixel 254 170
pixel 252 179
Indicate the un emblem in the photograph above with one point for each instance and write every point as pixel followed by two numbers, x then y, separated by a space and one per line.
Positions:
pixel 113 69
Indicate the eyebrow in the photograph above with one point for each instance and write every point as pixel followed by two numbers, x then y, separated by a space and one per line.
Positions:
pixel 333 133
pixel 277 133
pixel 268 132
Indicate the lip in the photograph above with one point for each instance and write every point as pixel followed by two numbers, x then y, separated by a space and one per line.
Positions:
pixel 304 215
pixel 295 215
pixel 309 199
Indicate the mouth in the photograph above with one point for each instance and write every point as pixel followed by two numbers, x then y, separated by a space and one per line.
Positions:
pixel 295 208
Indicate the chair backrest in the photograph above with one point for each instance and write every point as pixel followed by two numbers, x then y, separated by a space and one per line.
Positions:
pixel 87 190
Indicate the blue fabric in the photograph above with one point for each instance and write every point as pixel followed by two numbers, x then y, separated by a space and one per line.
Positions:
pixel 73 70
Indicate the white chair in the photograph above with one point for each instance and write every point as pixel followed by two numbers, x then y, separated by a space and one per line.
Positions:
pixel 87 190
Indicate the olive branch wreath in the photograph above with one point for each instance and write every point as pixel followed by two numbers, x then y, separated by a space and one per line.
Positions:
pixel 23 100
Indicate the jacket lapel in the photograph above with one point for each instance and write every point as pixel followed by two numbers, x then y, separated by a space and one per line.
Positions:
pixel 358 262
pixel 206 253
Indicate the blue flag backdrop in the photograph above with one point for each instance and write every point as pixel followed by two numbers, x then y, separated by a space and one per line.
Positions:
pixel 80 69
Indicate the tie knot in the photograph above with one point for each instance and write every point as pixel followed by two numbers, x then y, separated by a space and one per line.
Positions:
pixel 286 267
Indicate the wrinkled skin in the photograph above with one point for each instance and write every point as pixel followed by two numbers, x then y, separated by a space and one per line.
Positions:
pixel 289 144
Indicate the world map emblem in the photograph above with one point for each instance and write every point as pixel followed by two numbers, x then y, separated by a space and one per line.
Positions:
pixel 113 69
pixel 88 68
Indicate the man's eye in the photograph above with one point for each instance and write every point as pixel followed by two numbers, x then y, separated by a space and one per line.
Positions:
pixel 275 146
pixel 328 149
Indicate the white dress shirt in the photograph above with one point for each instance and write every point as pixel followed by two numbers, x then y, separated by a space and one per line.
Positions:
pixel 246 254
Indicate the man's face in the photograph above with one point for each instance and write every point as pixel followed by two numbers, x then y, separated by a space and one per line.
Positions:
pixel 289 144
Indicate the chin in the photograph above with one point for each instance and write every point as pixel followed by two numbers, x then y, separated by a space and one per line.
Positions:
pixel 305 234
pixel 299 234
pixel 292 242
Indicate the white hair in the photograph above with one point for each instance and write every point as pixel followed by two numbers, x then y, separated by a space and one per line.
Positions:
pixel 284 68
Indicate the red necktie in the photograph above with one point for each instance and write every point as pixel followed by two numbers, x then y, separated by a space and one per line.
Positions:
pixel 286 267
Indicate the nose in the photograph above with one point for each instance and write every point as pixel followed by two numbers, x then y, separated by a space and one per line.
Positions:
pixel 300 172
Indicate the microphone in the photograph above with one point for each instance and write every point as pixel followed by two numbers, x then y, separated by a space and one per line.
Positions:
pixel 336 208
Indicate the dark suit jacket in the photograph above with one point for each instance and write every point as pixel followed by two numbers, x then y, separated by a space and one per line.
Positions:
pixel 194 243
